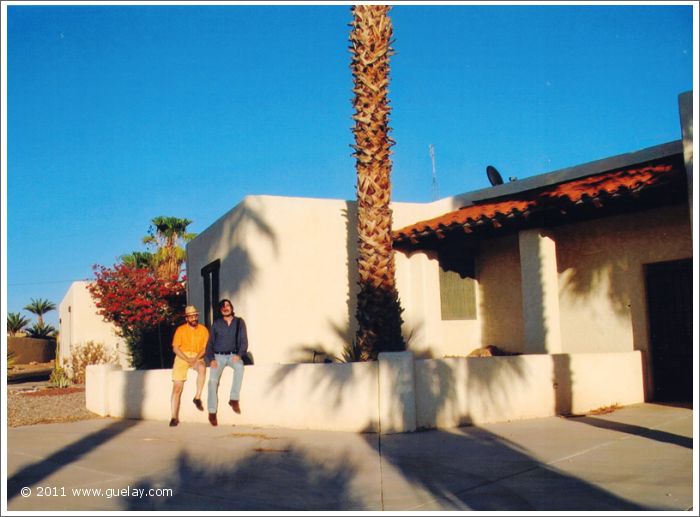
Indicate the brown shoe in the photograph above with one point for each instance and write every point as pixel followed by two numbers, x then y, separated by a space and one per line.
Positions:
pixel 235 406
pixel 198 403
pixel 212 419
pixel 174 422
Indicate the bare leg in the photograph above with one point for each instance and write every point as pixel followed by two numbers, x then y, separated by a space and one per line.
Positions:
pixel 201 376
pixel 175 398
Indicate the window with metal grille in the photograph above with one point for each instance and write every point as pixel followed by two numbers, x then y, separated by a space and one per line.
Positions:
pixel 457 296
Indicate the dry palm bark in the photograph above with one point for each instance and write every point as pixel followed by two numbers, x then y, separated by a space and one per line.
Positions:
pixel 378 307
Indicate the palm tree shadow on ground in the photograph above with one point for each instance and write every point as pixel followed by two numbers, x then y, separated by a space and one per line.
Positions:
pixel 474 469
pixel 271 478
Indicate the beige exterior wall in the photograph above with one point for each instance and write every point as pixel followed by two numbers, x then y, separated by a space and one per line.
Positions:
pixel 500 292
pixel 601 276
pixel 418 283
pixel 80 323
pixel 284 267
pixel 602 297
pixel 477 390
pixel 394 394
pixel 287 264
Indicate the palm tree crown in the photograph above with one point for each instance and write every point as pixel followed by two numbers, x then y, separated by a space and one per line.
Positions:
pixel 16 323
pixel 166 234
pixel 138 259
pixel 40 307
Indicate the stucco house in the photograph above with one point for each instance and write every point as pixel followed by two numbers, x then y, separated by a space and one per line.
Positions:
pixel 79 323
pixel 589 259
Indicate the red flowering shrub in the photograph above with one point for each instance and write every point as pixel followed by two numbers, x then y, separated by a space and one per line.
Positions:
pixel 144 308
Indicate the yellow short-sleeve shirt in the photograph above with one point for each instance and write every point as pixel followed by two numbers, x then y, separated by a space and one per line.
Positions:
pixel 191 339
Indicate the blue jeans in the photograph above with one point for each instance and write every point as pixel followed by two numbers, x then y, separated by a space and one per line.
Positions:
pixel 223 360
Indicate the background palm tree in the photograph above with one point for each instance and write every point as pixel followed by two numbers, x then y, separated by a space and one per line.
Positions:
pixel 16 323
pixel 138 259
pixel 167 234
pixel 40 307
pixel 41 330
pixel 378 308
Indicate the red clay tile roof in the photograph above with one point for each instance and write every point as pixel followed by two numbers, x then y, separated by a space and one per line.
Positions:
pixel 588 189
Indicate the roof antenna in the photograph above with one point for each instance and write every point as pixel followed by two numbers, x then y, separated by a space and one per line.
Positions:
pixel 436 189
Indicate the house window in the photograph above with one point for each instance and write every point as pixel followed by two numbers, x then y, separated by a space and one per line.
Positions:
pixel 210 279
pixel 457 296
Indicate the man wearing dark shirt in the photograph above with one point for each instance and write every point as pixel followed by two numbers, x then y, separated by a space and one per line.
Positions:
pixel 228 342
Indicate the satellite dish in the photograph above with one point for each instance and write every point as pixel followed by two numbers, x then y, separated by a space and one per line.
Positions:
pixel 494 175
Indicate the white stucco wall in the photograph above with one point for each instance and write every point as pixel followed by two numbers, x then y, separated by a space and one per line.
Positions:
pixel 500 283
pixel 461 391
pixel 284 265
pixel 394 394
pixel 602 290
pixel 600 263
pixel 288 266
pixel 80 323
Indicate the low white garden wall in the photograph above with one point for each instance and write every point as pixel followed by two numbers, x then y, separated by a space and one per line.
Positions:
pixel 395 394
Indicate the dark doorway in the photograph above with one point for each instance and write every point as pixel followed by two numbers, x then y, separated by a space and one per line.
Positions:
pixel 670 301
pixel 210 277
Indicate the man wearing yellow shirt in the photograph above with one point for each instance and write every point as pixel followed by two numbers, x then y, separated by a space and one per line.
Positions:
pixel 189 345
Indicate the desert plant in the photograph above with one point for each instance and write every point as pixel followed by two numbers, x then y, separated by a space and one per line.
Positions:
pixel 40 307
pixel 59 377
pixel 351 352
pixel 86 354
pixel 11 356
pixel 16 323
pixel 41 330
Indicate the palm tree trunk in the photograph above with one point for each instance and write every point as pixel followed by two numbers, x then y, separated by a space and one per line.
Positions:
pixel 378 307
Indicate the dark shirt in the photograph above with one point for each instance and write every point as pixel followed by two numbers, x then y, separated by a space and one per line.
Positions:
pixel 222 338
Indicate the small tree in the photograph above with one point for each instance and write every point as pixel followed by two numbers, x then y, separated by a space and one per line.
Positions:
pixel 138 259
pixel 16 323
pixel 40 307
pixel 167 234
pixel 41 330
pixel 143 306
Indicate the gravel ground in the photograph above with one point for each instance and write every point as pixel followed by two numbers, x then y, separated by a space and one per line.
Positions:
pixel 39 404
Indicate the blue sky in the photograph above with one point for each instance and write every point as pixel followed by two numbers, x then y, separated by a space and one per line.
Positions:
pixel 117 114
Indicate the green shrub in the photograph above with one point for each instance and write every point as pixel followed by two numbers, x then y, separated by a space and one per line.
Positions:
pixel 59 378
pixel 89 353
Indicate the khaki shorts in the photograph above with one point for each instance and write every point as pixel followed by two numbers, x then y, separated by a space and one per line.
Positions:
pixel 181 366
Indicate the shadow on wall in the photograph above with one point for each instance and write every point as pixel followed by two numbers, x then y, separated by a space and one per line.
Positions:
pixel 483 379
pixel 350 216
pixel 297 481
pixel 320 353
pixel 562 382
pixel 236 261
pixel 331 380
pixel 134 390
pixel 601 271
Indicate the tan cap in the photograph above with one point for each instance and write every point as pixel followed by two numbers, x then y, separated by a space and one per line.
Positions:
pixel 190 310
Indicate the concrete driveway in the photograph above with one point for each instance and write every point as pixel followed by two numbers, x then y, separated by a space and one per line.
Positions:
pixel 636 458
